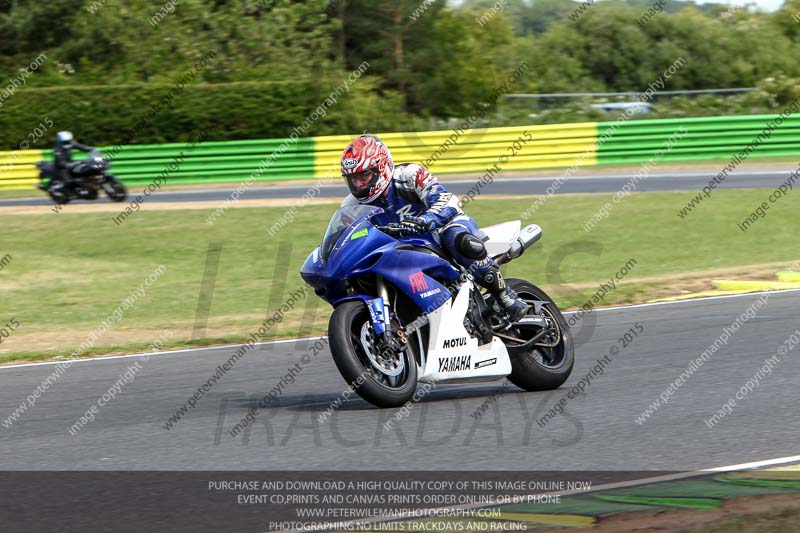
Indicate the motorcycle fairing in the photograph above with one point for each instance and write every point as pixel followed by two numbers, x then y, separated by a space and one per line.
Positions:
pixel 500 236
pixel 452 354
pixel 363 249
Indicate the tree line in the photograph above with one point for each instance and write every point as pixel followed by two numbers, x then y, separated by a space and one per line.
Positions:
pixel 429 60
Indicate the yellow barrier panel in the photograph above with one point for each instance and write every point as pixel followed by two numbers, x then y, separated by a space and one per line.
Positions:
pixel 447 151
pixel 17 169
pixel 547 146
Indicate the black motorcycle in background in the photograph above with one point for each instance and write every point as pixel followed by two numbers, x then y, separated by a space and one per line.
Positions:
pixel 87 177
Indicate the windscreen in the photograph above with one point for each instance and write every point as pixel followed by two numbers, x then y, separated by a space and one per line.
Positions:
pixel 340 221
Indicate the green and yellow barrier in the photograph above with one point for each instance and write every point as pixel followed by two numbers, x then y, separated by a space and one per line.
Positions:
pixel 556 145
pixel 693 139
pixel 18 170
pixel 443 152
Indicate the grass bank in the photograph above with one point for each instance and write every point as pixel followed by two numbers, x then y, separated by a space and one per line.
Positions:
pixel 68 272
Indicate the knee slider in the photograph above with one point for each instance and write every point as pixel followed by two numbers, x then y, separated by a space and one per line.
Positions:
pixel 471 246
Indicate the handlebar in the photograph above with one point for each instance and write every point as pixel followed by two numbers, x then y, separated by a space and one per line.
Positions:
pixel 393 228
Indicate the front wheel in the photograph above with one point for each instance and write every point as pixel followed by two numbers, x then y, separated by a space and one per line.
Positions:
pixel 91 193
pixel 115 189
pixel 548 363
pixel 382 377
pixel 57 192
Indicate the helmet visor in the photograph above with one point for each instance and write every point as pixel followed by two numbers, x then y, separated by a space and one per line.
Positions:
pixel 360 183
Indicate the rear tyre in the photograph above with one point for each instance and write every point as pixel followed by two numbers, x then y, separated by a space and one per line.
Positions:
pixel 115 189
pixel 546 365
pixel 381 378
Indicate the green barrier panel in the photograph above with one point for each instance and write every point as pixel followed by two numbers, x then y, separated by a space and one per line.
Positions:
pixel 557 145
pixel 692 139
pixel 210 161
pixel 699 139
pixel 147 151
pixel 216 177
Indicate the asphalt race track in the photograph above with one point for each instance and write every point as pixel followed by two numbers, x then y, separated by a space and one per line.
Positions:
pixel 501 186
pixel 597 432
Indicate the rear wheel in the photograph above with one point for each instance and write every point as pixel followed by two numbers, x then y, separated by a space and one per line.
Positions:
pixel 384 378
pixel 548 363
pixel 115 189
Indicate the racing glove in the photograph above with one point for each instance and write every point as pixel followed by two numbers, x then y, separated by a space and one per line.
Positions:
pixel 414 225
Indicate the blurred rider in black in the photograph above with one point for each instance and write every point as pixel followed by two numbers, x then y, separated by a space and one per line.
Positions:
pixel 62 154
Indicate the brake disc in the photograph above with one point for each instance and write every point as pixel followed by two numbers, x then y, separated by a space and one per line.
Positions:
pixel 391 366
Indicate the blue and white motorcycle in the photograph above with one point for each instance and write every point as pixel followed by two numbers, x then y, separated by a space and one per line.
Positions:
pixel 405 313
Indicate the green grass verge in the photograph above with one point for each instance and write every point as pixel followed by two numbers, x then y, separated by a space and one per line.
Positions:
pixel 69 271
pixel 21 193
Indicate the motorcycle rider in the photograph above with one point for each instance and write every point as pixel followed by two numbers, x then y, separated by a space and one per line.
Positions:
pixel 62 155
pixel 422 204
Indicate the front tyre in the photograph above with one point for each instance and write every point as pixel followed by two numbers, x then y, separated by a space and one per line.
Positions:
pixel 383 378
pixel 92 193
pixel 115 189
pixel 57 192
pixel 548 364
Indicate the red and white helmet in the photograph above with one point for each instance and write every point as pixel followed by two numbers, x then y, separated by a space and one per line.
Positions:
pixel 367 167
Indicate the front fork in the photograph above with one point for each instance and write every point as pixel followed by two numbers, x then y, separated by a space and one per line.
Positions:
pixel 380 315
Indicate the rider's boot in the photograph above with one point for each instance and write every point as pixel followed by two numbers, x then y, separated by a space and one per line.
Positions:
pixel 493 280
